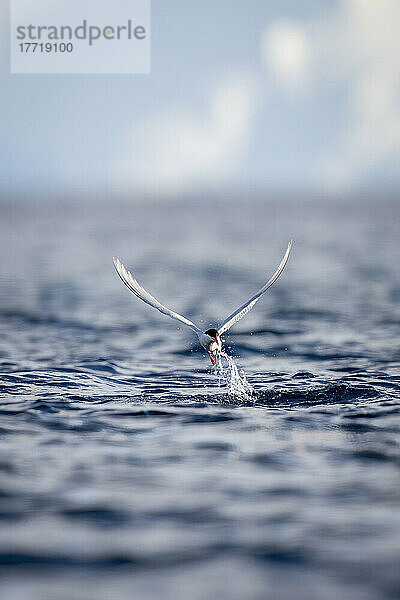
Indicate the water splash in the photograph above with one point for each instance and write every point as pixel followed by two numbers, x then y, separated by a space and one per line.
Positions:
pixel 232 378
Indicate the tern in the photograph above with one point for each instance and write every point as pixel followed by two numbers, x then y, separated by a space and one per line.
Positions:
pixel 210 340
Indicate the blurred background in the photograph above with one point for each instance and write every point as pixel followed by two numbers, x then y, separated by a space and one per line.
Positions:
pixel 243 98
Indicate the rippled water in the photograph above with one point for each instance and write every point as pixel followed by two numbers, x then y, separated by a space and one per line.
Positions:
pixel 130 469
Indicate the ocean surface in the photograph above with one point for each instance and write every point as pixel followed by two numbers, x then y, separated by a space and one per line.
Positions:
pixel 129 469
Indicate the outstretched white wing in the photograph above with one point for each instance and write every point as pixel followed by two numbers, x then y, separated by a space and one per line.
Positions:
pixel 141 293
pixel 245 308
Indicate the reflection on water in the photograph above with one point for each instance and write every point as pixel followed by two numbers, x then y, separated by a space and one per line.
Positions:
pixel 131 469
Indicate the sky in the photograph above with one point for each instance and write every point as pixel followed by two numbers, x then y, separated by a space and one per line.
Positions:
pixel 276 96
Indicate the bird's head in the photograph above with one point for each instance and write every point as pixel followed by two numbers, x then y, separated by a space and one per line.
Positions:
pixel 213 333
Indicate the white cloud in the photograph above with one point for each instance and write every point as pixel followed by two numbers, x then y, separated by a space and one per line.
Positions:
pixel 286 48
pixel 177 151
pixel 357 45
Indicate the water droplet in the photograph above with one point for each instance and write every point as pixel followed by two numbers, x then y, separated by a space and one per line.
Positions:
pixel 230 377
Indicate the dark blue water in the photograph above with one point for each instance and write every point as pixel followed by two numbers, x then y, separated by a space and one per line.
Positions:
pixel 127 472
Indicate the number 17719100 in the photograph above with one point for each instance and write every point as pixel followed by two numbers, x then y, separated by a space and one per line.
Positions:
pixel 45 47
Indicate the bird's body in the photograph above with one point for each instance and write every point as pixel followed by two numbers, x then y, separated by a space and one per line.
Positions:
pixel 210 339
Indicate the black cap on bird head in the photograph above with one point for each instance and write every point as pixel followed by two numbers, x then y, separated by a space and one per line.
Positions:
pixel 212 333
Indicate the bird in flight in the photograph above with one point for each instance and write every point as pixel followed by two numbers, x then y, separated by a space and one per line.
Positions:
pixel 210 340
